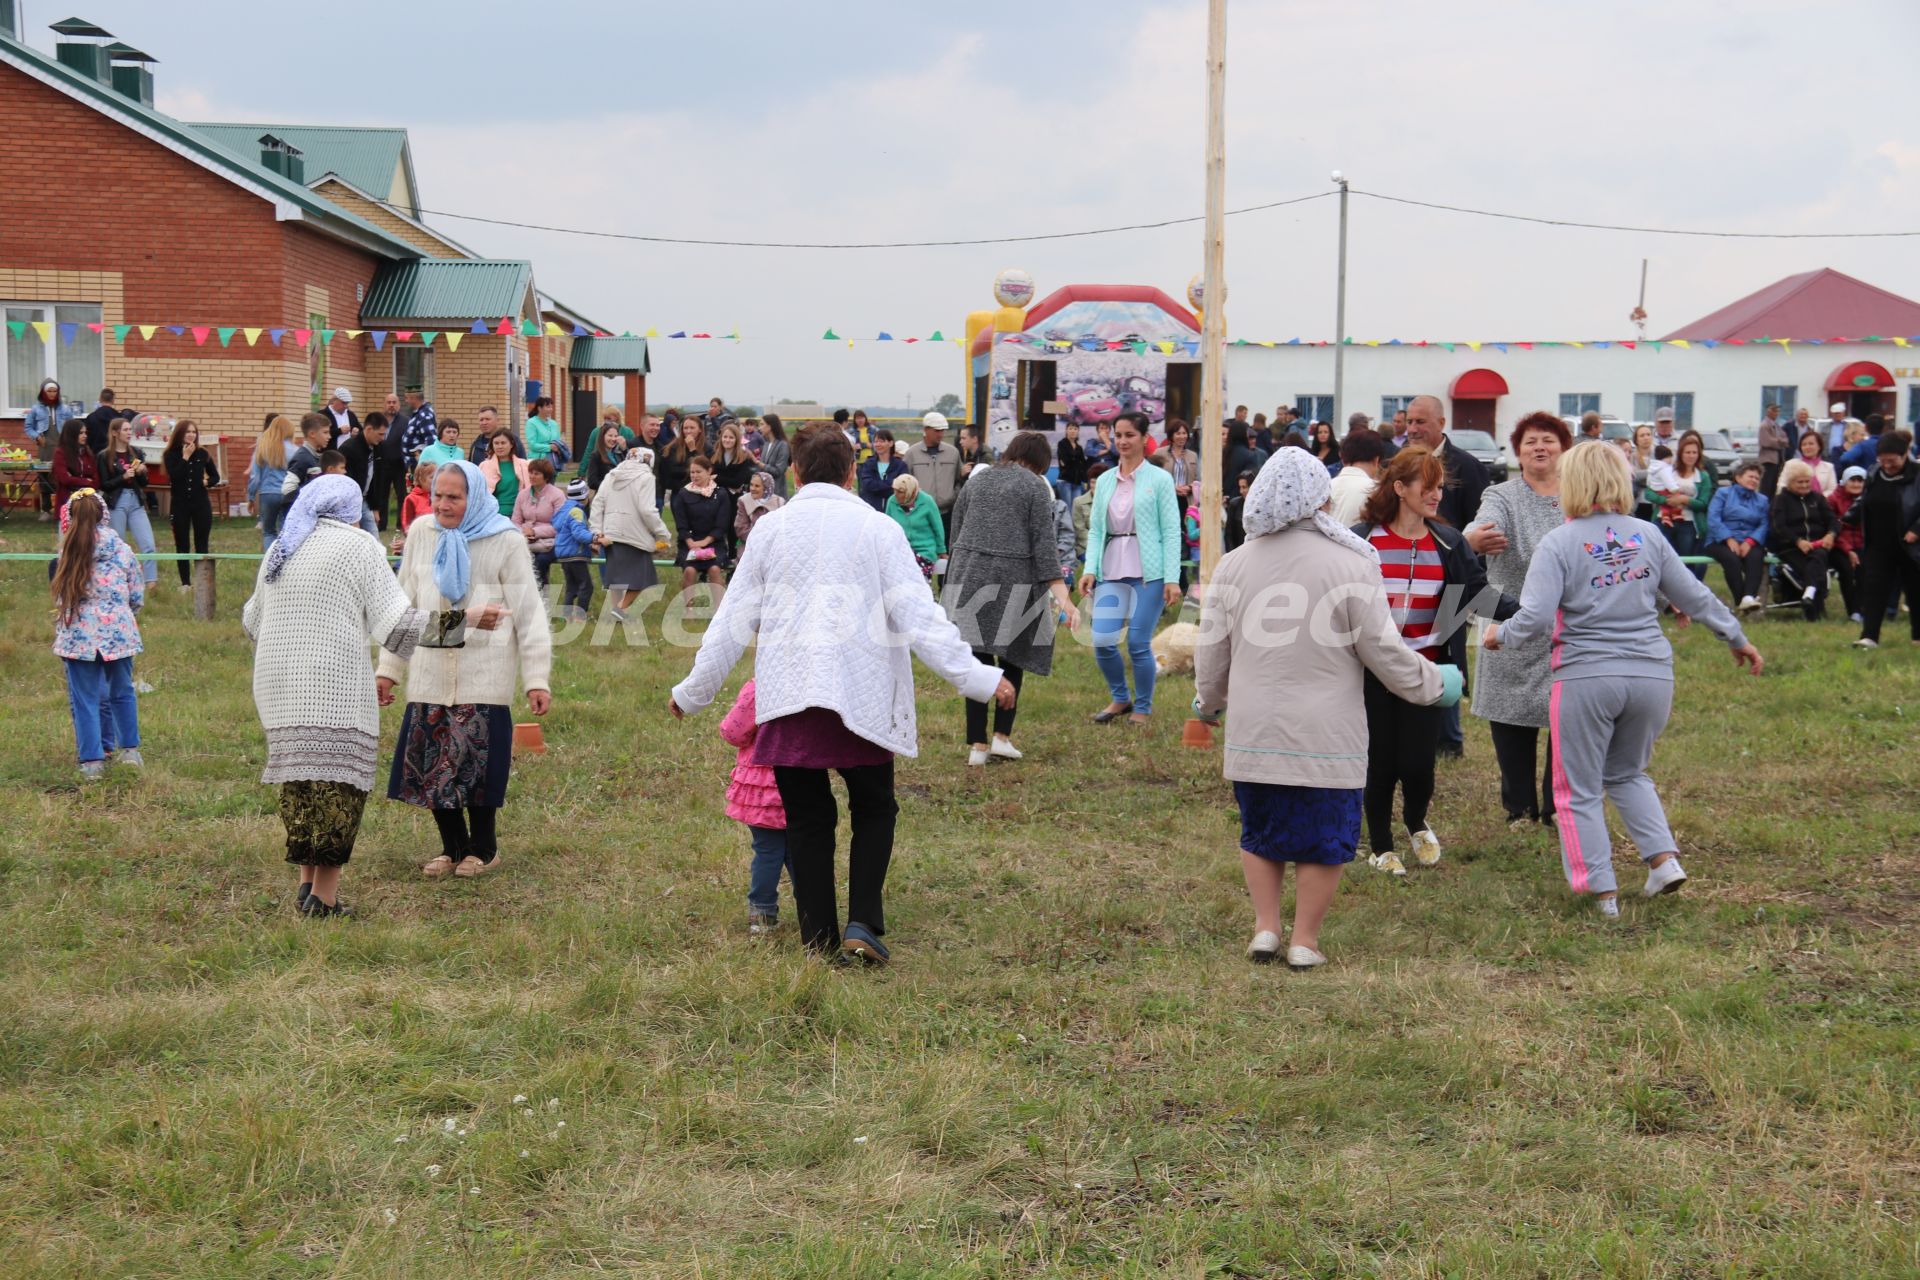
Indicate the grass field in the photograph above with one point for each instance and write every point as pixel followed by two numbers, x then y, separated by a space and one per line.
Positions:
pixel 581 1065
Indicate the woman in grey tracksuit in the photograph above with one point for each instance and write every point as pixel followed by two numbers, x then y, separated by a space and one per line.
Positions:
pixel 1595 588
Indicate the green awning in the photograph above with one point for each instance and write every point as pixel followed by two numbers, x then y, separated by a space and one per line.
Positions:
pixel 441 289
pixel 609 355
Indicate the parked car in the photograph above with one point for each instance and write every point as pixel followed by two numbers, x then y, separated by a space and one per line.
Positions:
pixel 1485 448
pixel 1090 405
pixel 1721 452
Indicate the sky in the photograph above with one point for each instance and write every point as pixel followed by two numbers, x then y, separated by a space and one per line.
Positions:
pixel 870 121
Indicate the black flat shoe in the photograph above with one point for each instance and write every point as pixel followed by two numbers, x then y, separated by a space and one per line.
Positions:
pixel 318 910
pixel 306 893
pixel 1111 714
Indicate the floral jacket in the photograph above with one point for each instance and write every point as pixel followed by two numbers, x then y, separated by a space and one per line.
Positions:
pixel 103 627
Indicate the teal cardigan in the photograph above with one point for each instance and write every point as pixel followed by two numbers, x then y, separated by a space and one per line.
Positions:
pixel 1156 519
pixel 922 525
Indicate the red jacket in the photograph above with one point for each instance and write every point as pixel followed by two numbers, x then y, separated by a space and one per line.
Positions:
pixel 1851 536
pixel 417 503
pixel 68 479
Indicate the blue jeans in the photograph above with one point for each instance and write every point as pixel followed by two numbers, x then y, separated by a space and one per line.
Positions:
pixel 1136 606
pixel 1067 492
pixel 129 520
pixel 763 880
pixel 105 715
pixel 271 506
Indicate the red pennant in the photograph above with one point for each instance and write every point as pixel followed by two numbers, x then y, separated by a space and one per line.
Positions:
pixel 403 334
pixel 300 336
pixel 1736 342
pixel 1421 343
pixel 1629 345
pixel 1524 346
pixel 506 325
pixel 703 335
pixel 200 332
pixel 97 328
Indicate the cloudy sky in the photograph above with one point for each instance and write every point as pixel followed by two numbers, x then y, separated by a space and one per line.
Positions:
pixel 861 120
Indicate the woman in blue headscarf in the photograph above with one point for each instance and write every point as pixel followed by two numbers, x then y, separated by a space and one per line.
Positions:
pixel 456 739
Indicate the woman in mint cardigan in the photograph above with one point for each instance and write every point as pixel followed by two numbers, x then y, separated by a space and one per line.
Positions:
pixel 1133 561
pixel 919 519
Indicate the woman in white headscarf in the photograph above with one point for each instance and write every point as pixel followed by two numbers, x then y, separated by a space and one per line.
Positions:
pixel 323 590
pixel 1290 624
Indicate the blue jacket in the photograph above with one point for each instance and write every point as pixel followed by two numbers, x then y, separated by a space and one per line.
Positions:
pixel 1156 520
pixel 876 486
pixel 37 424
pixel 1739 513
pixel 571 536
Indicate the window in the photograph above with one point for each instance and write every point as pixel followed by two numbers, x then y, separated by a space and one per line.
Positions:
pixel 1390 405
pixel 60 347
pixel 1575 403
pixel 1314 408
pixel 1648 403
pixel 1913 403
pixel 1787 398
pixel 413 366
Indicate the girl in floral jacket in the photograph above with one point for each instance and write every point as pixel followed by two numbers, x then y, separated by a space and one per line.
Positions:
pixel 754 799
pixel 97 588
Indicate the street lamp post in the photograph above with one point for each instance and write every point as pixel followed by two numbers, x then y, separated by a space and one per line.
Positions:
pixel 1340 313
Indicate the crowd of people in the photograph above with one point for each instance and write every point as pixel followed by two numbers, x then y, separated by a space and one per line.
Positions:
pixel 974 559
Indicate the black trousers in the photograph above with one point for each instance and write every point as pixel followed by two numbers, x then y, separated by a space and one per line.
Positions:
pixel 388 483
pixel 1517 748
pixel 812 817
pixel 1402 740
pixel 1746 572
pixel 1884 567
pixel 1769 483
pixel 1849 575
pixel 1809 569
pixel 977 711
pixel 191 514
pixel 467 833
pixel 577 576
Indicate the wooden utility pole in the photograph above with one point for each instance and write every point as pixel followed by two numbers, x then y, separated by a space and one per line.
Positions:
pixel 1213 329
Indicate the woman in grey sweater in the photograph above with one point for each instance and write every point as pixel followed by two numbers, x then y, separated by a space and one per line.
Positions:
pixel 777 455
pixel 1510 685
pixel 1002 565
pixel 1595 588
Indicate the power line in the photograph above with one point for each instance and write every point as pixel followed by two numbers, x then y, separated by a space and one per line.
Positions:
pixel 1650 231
pixel 881 244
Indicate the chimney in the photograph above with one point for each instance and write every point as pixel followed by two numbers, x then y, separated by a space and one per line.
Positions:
pixel 132 72
pixel 90 60
pixel 283 158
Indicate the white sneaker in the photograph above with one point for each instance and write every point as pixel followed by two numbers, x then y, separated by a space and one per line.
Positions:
pixel 130 757
pixel 1304 958
pixel 1864 643
pixel 1265 947
pixel 1609 907
pixel 1855 619
pixel 1748 604
pixel 1001 749
pixel 976 757
pixel 1389 862
pixel 1664 878
pixel 1426 847
pixel 1809 594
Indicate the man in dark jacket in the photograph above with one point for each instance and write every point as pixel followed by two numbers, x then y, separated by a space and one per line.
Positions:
pixel 1467 479
pixel 346 422
pixel 100 420
pixel 1888 513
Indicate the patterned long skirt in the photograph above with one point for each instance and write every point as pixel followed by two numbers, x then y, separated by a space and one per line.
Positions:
pixel 322 821
pixel 453 757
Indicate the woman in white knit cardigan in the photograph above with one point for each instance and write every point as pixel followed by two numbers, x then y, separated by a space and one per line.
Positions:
pixel 456 739
pixel 322 591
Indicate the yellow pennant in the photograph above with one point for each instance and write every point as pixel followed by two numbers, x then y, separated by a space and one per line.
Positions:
pixel 42 328
pixel 1576 344
pixel 1682 343
pixel 1473 346
pixel 453 340
pixel 555 331
pixel 252 335
pixel 849 344
pixel 1374 342
pixel 147 330
pixel 353 333
pixel 651 333
pixel 1899 342
pixel 1166 348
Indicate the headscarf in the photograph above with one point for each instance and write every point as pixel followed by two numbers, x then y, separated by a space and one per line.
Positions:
pixel 1293 487
pixel 452 570
pixel 324 498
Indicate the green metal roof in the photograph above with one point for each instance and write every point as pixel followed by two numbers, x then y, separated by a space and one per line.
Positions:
pixel 609 355
pixel 366 157
pixel 447 289
pixel 320 213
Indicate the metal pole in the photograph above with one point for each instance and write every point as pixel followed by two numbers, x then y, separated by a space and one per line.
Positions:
pixel 1340 316
pixel 1213 327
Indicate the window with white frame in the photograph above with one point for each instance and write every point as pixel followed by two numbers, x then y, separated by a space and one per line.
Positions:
pixel 1788 398
pixel 42 340
pixel 1575 403
pixel 413 367
pixel 1314 408
pixel 1390 405
pixel 1648 403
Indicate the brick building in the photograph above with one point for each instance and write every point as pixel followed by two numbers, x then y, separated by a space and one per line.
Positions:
pixel 241 269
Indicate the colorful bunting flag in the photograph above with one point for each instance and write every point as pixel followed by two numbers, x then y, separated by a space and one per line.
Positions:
pixel 226 333
pixel 146 330
pixel 18 328
pixel 200 334
pixel 555 331
pixel 274 336
pixel 479 326
pixel 506 326
pixel 69 330
pixel 252 335
pixel 300 337
pixel 379 339
pixel 42 328
pixel 528 329
pixel 453 340
pixel 120 332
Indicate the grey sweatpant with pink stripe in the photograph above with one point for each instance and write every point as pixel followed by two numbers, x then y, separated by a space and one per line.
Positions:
pixel 1603 730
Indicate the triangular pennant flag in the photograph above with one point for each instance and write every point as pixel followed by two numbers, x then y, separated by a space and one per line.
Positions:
pixel 479 326
pixel 1708 343
pixel 936 336
pixel 1373 342
pixel 528 329
pixel 42 328
pixel 226 332
pixel 146 330
pixel 654 333
pixel 1899 342
pixel 1501 347
pixel 177 330
pixel 1786 344
pixel 1447 345
pixel 326 335
pixel 200 335
pixel 884 337
pixel 252 335
pixel 120 332
pixel 300 337
pixel 274 336
pixel 579 331
pixel 1628 345
pixel 1524 346
pixel 1872 337
pixel 506 327
pixel 1473 346
pixel 1139 348
pixel 1602 346
pixel 379 339
pixel 453 340
pixel 1576 344
pixel 849 344
pixel 555 331
pixel 602 333
pixel 735 335
pixel 1271 345
pixel 1347 342
pixel 679 334
pixel 403 335
pixel 1683 344
pixel 426 338
pixel 1293 342
pixel 1736 342
pixel 703 335
pixel 1821 342
pixel 1654 343
pixel 96 326
pixel 1166 348
pixel 18 328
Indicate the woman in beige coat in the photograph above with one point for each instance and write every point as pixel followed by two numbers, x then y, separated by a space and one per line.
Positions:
pixel 1293 619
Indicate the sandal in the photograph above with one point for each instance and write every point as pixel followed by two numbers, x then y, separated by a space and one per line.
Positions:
pixel 471 866
pixel 437 867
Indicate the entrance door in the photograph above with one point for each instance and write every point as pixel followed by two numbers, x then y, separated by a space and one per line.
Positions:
pixel 1472 415
pixel 1183 392
pixel 1862 403
pixel 585 413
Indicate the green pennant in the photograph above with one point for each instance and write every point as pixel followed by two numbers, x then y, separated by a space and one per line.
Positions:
pixel 326 336
pixel 528 329
pixel 1653 342
pixel 1139 348
pixel 1873 337
pixel 830 336
pixel 226 333
pixel 937 336
pixel 18 328
pixel 120 332
pixel 1447 345
pixel 1346 342
pixel 426 338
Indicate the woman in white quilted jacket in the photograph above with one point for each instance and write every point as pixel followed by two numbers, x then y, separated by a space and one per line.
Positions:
pixel 823 577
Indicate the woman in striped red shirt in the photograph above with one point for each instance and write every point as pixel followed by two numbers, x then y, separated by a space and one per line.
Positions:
pixel 1433 582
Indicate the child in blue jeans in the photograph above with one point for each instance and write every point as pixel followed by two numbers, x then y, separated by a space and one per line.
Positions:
pixel 97 588
pixel 753 798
